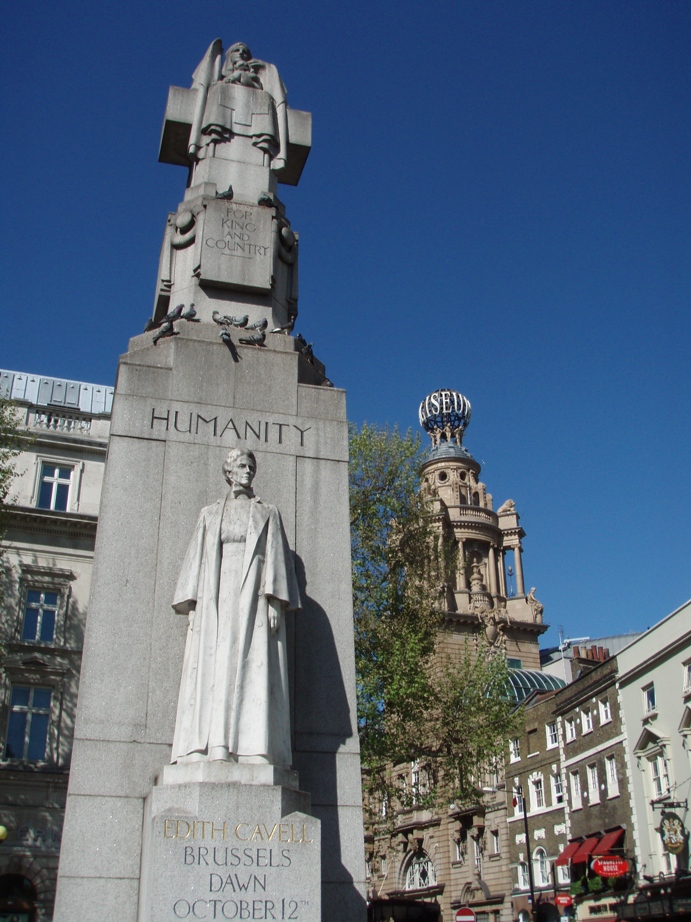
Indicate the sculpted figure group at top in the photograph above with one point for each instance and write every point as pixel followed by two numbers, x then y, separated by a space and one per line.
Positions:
pixel 238 97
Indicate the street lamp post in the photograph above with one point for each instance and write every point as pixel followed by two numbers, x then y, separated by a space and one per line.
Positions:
pixel 531 879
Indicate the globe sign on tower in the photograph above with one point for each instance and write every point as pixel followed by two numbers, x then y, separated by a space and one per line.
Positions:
pixel 445 415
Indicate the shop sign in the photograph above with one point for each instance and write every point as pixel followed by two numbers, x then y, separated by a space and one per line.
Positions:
pixel 563 899
pixel 610 866
pixel 673 833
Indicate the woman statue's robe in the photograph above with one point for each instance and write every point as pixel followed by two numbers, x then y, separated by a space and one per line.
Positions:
pixel 234 687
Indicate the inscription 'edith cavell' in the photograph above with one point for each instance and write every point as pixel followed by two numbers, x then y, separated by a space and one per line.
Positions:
pixel 254 431
pixel 244 881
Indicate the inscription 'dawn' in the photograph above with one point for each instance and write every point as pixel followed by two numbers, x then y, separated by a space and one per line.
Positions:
pixel 193 423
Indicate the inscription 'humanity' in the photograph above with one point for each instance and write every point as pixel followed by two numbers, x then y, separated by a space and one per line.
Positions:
pixel 245 430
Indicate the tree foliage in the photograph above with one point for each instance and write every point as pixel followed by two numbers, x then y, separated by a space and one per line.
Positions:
pixel 9 449
pixel 417 703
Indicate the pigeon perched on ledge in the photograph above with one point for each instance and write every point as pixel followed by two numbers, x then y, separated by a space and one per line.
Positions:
pixel 257 339
pixel 166 330
pixel 286 328
pixel 260 325
pixel 189 314
pixel 238 321
pixel 174 314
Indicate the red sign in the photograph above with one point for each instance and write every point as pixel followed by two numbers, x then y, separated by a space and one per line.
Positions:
pixel 465 915
pixel 563 899
pixel 610 867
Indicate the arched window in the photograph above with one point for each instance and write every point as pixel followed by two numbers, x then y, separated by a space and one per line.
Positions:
pixel 17 895
pixel 420 873
pixel 541 867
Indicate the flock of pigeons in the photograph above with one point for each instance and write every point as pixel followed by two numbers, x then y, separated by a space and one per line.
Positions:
pixel 255 333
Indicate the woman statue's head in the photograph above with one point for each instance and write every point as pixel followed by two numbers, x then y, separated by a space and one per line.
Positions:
pixel 240 467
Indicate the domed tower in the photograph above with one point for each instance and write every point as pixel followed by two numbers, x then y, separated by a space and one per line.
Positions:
pixel 487 585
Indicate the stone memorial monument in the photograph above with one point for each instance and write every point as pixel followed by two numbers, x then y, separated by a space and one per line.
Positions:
pixel 215 771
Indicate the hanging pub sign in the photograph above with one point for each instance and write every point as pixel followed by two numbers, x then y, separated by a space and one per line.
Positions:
pixel 610 866
pixel 673 833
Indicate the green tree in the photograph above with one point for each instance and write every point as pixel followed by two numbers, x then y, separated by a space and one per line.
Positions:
pixel 415 703
pixel 10 441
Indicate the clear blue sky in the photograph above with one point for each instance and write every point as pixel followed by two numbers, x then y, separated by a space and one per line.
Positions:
pixel 497 200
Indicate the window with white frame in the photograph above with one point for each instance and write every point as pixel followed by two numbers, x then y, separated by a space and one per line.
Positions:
pixel 570 729
pixel 586 720
pixel 54 486
pixel 593 784
pixel 383 865
pixel 649 701
pixel 477 854
pixel 605 710
pixel 552 735
pixel 541 867
pixel 522 869
pixel 612 776
pixel 40 615
pixel 557 789
pixel 563 874
pixel 495 841
pixel 461 843
pixel 687 676
pixel 28 723
pixel 537 793
pixel 659 775
pixel 575 785
pixel 517 799
pixel 514 750
pixel 420 873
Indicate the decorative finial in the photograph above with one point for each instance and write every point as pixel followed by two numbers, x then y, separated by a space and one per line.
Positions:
pixel 445 415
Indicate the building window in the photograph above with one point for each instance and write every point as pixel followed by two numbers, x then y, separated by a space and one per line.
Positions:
pixel 586 720
pixel 54 490
pixel 575 783
pixel 495 841
pixel 552 735
pixel 541 867
pixel 687 677
pixel 563 874
pixel 477 853
pixel 420 873
pixel 570 729
pixel 383 865
pixel 522 875
pixel 517 799
pixel 537 792
pixel 532 742
pixel 514 750
pixel 513 663
pixel 27 728
pixel 40 614
pixel 605 711
pixel 593 784
pixel 557 790
pixel 612 776
pixel 649 703
pixel 659 775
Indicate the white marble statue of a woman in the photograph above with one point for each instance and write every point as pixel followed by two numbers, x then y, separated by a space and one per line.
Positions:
pixel 237 580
